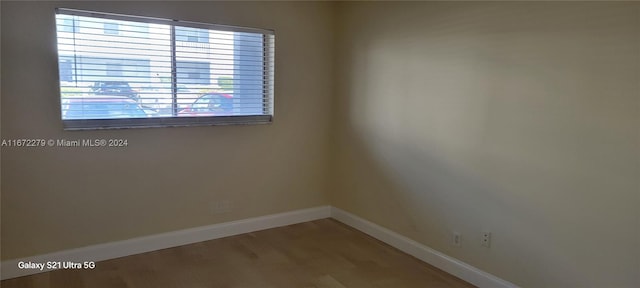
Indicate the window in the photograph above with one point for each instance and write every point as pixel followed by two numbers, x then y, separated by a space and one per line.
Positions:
pixel 193 72
pixel 67 25
pixel 114 69
pixel 66 73
pixel 187 34
pixel 111 28
pixel 124 71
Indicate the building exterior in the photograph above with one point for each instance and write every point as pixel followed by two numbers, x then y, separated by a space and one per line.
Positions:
pixel 142 55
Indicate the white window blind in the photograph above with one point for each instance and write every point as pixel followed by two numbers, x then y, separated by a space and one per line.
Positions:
pixel 126 71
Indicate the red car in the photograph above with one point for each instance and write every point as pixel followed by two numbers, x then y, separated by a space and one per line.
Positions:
pixel 210 104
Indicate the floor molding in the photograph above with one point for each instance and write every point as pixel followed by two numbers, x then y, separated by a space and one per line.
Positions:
pixel 9 269
pixel 448 264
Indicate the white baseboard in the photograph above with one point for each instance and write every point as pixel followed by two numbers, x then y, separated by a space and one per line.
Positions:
pixel 9 269
pixel 446 263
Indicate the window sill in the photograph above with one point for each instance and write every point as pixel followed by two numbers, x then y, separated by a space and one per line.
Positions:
pixel 99 124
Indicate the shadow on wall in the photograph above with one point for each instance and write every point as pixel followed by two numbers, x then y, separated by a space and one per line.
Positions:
pixel 519 119
pixel 426 198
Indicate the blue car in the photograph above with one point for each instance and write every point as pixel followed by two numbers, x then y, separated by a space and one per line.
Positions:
pixel 101 107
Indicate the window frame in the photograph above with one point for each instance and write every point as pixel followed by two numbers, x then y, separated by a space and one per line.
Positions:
pixel 268 37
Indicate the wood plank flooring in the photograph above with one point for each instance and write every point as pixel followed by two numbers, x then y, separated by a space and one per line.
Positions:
pixel 320 254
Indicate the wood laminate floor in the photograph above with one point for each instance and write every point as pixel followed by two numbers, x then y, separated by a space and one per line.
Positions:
pixel 321 254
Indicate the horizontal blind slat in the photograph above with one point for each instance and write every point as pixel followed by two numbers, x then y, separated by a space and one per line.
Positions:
pixel 117 66
pixel 153 20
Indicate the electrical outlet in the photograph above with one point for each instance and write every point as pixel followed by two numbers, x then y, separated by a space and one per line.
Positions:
pixel 486 239
pixel 456 239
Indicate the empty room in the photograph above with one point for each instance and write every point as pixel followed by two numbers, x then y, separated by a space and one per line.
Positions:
pixel 326 144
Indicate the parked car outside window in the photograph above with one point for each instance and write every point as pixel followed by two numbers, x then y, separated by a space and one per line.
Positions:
pixel 210 104
pixel 115 88
pixel 101 107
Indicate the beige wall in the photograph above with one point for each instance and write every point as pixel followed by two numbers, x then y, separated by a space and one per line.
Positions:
pixel 167 179
pixel 516 118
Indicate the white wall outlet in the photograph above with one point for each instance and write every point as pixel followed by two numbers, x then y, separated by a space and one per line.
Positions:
pixel 456 239
pixel 219 207
pixel 486 239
